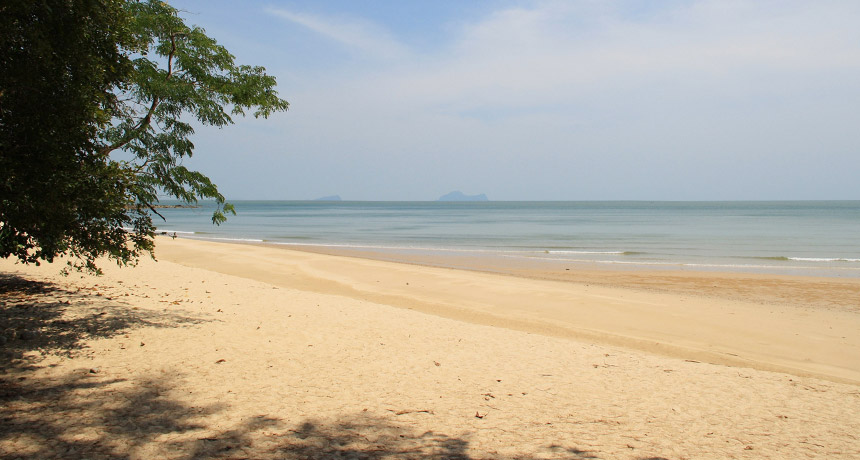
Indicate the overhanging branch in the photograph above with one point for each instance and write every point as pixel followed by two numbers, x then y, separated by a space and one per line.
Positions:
pixel 147 119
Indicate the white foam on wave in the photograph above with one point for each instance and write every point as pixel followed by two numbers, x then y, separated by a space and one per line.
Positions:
pixel 178 232
pixel 400 248
pixel 250 240
pixel 684 264
pixel 442 249
pixel 216 238
pixel 565 251
pixel 822 259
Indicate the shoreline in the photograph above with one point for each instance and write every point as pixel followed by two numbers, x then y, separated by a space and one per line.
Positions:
pixel 464 258
pixel 794 325
pixel 763 287
pixel 789 238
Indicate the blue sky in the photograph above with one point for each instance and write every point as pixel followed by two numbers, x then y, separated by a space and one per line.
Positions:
pixel 543 100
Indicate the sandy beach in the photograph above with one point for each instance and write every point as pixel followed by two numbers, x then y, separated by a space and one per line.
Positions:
pixel 242 351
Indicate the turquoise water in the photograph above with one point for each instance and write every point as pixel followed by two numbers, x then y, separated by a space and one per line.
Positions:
pixel 808 237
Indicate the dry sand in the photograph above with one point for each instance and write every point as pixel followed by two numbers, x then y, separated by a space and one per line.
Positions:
pixel 233 351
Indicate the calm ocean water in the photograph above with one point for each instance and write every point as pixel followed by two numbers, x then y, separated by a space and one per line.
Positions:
pixel 807 237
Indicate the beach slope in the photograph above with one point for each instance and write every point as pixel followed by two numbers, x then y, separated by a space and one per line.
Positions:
pixel 798 337
pixel 236 351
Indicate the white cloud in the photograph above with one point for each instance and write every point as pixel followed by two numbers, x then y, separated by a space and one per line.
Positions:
pixel 551 55
pixel 742 89
pixel 569 60
pixel 363 36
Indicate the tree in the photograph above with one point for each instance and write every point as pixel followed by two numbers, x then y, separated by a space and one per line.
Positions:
pixel 81 80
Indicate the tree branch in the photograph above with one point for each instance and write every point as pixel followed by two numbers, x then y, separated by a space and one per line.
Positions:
pixel 156 212
pixel 142 166
pixel 145 122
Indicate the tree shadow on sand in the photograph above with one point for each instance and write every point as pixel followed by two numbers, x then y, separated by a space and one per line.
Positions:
pixel 361 436
pixel 88 414
pixel 48 319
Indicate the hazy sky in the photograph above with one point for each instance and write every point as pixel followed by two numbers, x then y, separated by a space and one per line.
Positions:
pixel 543 100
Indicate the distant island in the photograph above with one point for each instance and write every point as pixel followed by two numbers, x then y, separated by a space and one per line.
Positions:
pixel 460 196
pixel 329 198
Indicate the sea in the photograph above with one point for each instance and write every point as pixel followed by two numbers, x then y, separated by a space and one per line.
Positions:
pixel 813 238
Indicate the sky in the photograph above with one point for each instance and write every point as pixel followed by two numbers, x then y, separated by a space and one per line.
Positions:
pixel 542 100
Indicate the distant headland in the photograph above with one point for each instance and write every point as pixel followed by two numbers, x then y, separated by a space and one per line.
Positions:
pixel 329 198
pixel 174 206
pixel 460 196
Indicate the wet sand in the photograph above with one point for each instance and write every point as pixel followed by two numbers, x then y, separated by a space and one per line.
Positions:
pixel 841 293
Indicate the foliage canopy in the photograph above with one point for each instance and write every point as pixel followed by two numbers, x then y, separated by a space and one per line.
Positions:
pixel 82 79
